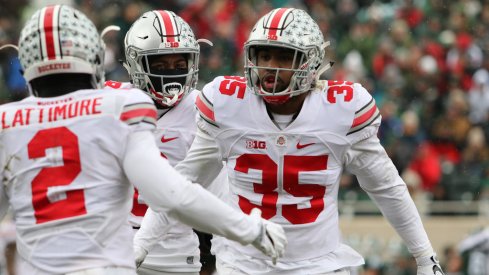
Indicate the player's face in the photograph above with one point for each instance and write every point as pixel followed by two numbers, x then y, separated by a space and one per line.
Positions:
pixel 275 58
pixel 162 63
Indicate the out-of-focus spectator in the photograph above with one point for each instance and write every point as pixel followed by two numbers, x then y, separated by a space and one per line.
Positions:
pixel 411 14
pixel 464 180
pixel 475 249
pixel 478 96
pixel 383 57
pixel 463 59
pixel 453 262
pixel 410 137
pixel 427 165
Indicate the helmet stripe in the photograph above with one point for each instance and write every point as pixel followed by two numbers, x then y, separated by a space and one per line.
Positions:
pixel 49 31
pixel 278 19
pixel 169 26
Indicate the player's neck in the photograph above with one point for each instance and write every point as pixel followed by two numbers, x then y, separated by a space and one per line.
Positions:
pixel 290 107
pixel 60 84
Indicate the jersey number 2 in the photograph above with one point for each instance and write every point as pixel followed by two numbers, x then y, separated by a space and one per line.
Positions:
pixel 73 202
pixel 291 168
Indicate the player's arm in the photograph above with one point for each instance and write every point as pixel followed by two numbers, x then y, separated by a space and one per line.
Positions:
pixel 202 163
pixel 378 176
pixel 165 190
pixel 153 227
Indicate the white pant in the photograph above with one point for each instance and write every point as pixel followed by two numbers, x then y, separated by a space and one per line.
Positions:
pixel 104 271
pixel 24 267
pixel 223 268
pixel 146 271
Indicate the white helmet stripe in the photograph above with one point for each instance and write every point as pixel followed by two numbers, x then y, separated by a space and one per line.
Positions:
pixel 168 25
pixel 48 26
pixel 276 20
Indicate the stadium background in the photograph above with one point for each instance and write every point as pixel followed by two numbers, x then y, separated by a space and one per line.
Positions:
pixel 425 62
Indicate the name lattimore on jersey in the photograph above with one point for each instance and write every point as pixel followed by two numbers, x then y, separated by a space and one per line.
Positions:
pixel 26 116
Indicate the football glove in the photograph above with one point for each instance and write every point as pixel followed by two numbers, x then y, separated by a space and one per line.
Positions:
pixel 139 255
pixel 271 240
pixel 429 266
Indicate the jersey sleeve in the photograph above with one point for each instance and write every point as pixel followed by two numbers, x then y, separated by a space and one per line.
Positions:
pixel 378 176
pixel 203 162
pixel 206 120
pixel 366 119
pixel 138 111
pixel 165 190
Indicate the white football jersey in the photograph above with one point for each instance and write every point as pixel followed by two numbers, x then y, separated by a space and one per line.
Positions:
pixel 175 131
pixel 293 174
pixel 63 176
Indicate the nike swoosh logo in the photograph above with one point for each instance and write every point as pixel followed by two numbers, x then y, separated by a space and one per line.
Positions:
pixel 301 146
pixel 163 139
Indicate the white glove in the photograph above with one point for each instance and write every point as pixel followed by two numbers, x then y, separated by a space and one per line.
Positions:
pixel 429 266
pixel 139 255
pixel 271 240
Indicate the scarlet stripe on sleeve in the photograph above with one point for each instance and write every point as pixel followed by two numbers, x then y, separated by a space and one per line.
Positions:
pixel 364 117
pixel 206 110
pixel 139 112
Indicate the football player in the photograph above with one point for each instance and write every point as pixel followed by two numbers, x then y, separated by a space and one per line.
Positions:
pixel 69 153
pixel 162 59
pixel 286 137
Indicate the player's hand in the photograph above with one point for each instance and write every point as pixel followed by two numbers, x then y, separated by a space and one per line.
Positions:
pixel 429 266
pixel 271 240
pixel 139 255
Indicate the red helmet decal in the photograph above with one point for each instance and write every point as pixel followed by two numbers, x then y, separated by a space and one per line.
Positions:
pixel 276 22
pixel 168 29
pixel 49 31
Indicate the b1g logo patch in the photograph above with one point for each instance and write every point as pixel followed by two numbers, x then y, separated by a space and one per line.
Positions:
pixel 255 144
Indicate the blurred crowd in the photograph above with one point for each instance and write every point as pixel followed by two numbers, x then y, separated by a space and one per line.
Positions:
pixel 426 62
